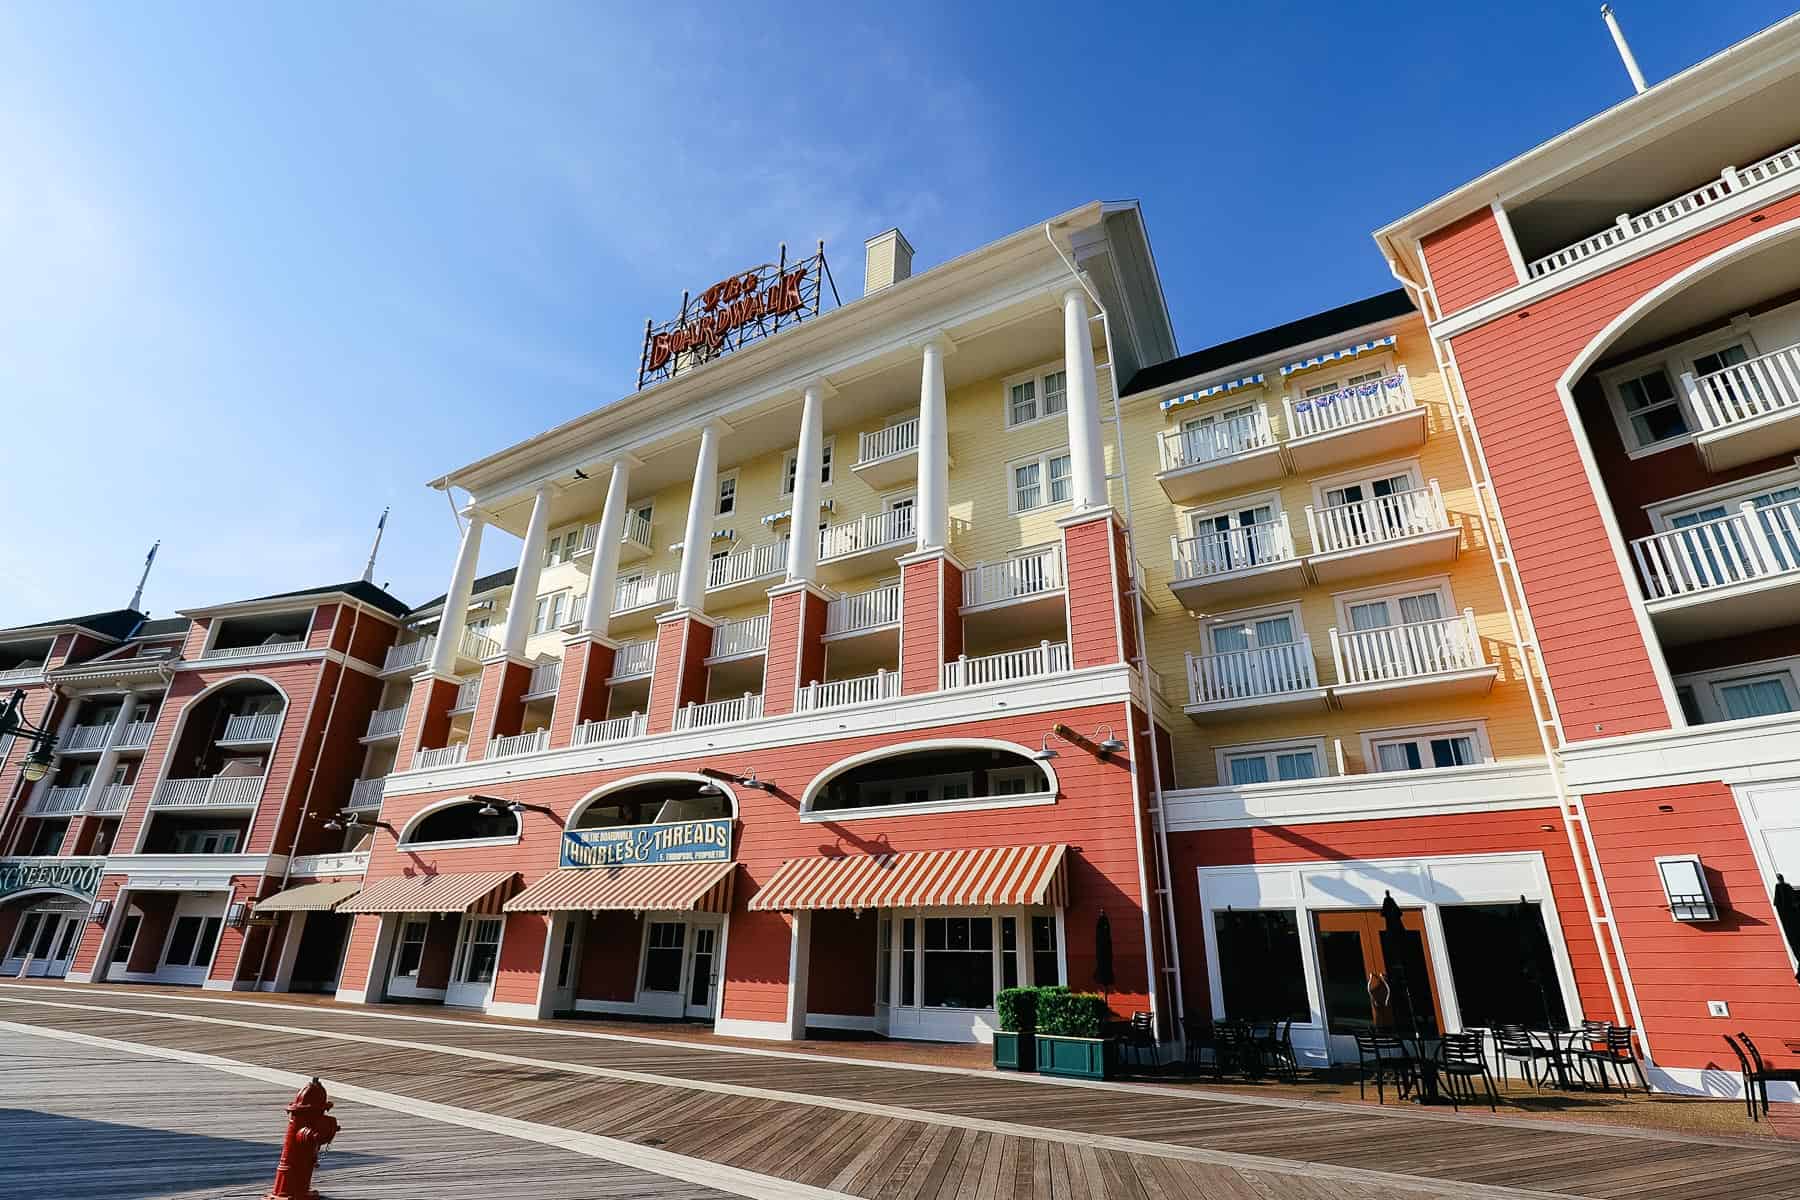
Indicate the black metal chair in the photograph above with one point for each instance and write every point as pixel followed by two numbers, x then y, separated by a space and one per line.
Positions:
pixel 1750 1077
pixel 1384 1057
pixel 1764 1074
pixel 1234 1050
pixel 1278 1052
pixel 1137 1043
pixel 1588 1048
pixel 1199 1049
pixel 1461 1060
pixel 1513 1043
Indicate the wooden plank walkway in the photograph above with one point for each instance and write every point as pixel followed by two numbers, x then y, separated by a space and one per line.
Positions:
pixel 877 1131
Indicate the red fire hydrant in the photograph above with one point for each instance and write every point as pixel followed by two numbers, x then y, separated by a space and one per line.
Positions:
pixel 310 1129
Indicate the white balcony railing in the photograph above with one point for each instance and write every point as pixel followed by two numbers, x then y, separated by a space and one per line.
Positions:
pixel 1222 551
pixel 1014 578
pixel 386 722
pixel 637 530
pixel 1731 181
pixel 58 801
pixel 1364 523
pixel 1751 543
pixel 243 728
pixel 441 756
pixel 876 608
pixel 19 674
pixel 1045 658
pixel 1349 406
pixel 863 689
pixel 634 659
pixel 519 743
pixel 236 791
pixel 353 862
pixel 1759 387
pixel 545 677
pixel 478 646
pixel 1392 652
pixel 109 800
pixel 85 737
pixel 366 793
pixel 467 693
pixel 641 591
pixel 890 442
pixel 1201 445
pixel 256 651
pixel 618 729
pixel 747 707
pixel 869 532
pixel 408 654
pixel 137 735
pixel 748 636
pixel 1254 674
pixel 748 564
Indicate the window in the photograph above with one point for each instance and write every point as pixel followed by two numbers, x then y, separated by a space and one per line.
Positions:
pixel 411 950
pixel 1009 952
pixel 791 466
pixel 1502 967
pixel 480 950
pixel 727 495
pixel 1015 781
pixel 1035 482
pixel 128 932
pixel 1326 386
pixel 1253 632
pixel 461 822
pixel 1758 696
pixel 1036 397
pixel 206 841
pixel 959 962
pixel 1220 434
pixel 663 956
pixel 191 943
pixel 552 611
pixel 1647 408
pixel 1405 609
pixel 1046 963
pixel 1260 971
pixel 1741 691
pixel 884 962
pixel 909 963
pixel 1434 748
pixel 1262 764
pixel 551 549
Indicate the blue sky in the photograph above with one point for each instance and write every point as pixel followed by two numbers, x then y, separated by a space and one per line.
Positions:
pixel 265 269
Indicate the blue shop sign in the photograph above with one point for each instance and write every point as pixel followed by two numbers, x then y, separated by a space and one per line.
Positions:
pixel 645 845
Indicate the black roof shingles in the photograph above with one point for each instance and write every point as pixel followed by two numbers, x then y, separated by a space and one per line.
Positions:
pixel 359 589
pixel 486 583
pixel 116 624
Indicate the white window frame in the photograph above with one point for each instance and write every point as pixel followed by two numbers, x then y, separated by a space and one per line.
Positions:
pixel 1042 460
pixel 1337 376
pixel 1231 505
pixel 1662 513
pixel 719 509
pixel 1366 476
pixel 228 837
pixel 790 466
pixel 1392 592
pixel 1674 361
pixel 1475 730
pixel 1031 775
pixel 548 603
pixel 1249 616
pixel 1223 755
pixel 1705 685
pixel 1036 377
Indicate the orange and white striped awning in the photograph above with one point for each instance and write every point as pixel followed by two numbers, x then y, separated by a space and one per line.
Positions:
pixel 662 887
pixel 1005 875
pixel 481 893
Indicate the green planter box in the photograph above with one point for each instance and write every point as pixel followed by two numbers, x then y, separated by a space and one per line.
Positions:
pixel 1014 1051
pixel 1077 1058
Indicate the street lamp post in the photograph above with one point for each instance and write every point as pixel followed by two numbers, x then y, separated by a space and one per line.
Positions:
pixel 43 742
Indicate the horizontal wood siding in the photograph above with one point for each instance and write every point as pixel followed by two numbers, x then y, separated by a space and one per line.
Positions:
pixel 1093 594
pixel 1468 261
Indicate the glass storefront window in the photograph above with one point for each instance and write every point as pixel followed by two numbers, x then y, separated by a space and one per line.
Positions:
pixel 663 956
pixel 1009 952
pixel 1260 968
pixel 959 962
pixel 1046 965
pixel 1502 967
pixel 909 964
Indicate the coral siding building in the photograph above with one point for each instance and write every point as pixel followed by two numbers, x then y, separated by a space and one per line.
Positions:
pixel 1620 310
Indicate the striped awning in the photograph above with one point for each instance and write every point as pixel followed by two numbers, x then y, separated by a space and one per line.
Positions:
pixel 1217 389
pixel 662 887
pixel 309 897
pixel 1302 364
pixel 470 893
pixel 922 879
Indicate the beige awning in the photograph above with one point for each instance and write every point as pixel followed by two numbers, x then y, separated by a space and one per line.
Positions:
pixel 468 893
pixel 1002 875
pixel 661 887
pixel 310 897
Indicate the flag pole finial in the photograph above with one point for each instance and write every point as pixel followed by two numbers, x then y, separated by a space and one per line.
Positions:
pixel 137 597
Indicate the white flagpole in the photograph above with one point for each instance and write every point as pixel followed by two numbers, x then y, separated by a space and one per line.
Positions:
pixel 369 567
pixel 137 597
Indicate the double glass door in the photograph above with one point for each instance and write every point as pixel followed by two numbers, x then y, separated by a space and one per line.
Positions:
pixel 477 959
pixel 1373 983
pixel 680 972
pixel 47 937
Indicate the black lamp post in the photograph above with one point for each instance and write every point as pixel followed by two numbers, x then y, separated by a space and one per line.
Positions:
pixel 14 724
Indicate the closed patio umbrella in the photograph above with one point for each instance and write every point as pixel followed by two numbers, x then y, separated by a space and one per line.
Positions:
pixel 1103 953
pixel 1394 935
pixel 1525 921
pixel 1787 911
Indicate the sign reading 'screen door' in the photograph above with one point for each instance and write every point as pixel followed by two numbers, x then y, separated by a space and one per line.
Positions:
pixel 645 845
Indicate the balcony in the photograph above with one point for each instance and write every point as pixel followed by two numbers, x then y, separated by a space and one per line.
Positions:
pixel 618 729
pixel 1268 679
pixel 740 639
pixel 109 801
pixel 864 545
pixel 251 729
pixel 519 743
pixel 29 673
pixel 137 735
pixel 411 657
pixel 634 660
pixel 1015 597
pixel 85 738
pixel 747 707
pixel 1736 574
pixel 888 457
pixel 748 570
pixel 408 656
pixel 386 723
pixel 443 756
pixel 545 678
pixel 468 691
pixel 1219 457
pixel 864 612
pixel 314 866
pixel 862 689
pixel 58 801
pixel 1416 661
pixel 1363 421
pixel 1731 181
pixel 643 594
pixel 634 539
pixel 1221 566
pixel 1402 531
pixel 1045 658
pixel 1747 411
pixel 365 794
pixel 210 794
pixel 258 650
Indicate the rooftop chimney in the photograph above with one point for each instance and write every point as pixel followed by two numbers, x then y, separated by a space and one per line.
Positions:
pixel 888 261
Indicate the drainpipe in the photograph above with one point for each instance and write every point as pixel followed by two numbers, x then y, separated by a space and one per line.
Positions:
pixel 1163 892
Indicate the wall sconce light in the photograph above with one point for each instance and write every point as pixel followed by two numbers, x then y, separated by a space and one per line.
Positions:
pixel 101 913
pixel 1108 744
pixel 1044 753
pixel 351 820
pixel 238 915
pixel 749 781
pixel 519 807
pixel 1684 883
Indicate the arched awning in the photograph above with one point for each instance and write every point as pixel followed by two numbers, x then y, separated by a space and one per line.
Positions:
pixel 1009 875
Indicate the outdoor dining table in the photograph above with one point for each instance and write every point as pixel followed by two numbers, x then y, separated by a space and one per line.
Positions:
pixel 1561 1044
pixel 1426 1062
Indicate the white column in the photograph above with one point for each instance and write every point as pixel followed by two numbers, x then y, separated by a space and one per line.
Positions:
pixel 456 602
pixel 603 576
pixel 799 970
pixel 62 739
pixel 803 544
pixel 525 579
pixel 933 501
pixel 1087 458
pixel 109 758
pixel 696 543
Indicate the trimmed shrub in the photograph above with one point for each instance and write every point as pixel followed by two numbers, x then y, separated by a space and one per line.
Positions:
pixel 1062 1013
pixel 1018 1009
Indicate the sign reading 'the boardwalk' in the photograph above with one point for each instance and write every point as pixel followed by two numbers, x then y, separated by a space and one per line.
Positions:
pixel 646 845
pixel 78 875
pixel 736 310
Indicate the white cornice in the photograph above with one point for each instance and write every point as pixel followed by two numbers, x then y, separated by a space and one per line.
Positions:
pixel 1519 783
pixel 1735 752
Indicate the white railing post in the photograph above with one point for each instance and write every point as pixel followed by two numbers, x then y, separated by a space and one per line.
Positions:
pixel 1770 562
pixel 1697 402
pixel 1337 655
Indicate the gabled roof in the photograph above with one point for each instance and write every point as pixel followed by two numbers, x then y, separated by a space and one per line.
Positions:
pixel 483 585
pixel 1270 343
pixel 113 626
pixel 359 590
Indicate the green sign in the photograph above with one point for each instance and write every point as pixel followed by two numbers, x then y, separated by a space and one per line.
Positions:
pixel 78 875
